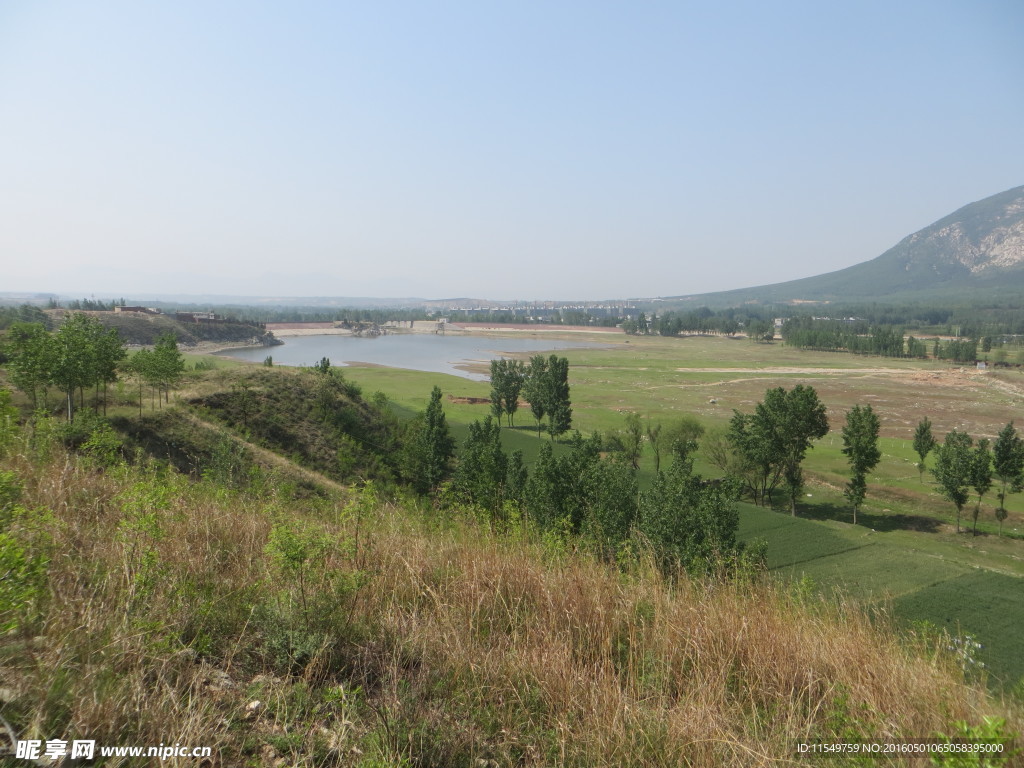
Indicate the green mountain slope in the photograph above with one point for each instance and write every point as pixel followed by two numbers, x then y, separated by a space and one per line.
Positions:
pixel 978 249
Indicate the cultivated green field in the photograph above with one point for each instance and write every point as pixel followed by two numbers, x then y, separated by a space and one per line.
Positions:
pixel 920 577
pixel 905 549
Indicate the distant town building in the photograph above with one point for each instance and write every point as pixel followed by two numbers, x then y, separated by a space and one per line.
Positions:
pixel 196 317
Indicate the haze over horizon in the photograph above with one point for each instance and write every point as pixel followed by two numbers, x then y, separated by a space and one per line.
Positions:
pixel 527 151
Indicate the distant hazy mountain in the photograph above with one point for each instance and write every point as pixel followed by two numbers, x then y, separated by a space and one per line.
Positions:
pixel 976 250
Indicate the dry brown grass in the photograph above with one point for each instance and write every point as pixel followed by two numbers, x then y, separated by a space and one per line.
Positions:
pixel 634 671
pixel 161 618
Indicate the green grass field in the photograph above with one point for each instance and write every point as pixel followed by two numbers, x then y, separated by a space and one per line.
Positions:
pixel 922 578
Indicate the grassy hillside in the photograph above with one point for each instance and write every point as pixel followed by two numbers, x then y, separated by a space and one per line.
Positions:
pixel 145 329
pixel 142 608
pixel 230 420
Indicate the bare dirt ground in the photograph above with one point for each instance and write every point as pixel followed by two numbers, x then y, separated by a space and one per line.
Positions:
pixel 539 328
pixel 940 378
pixel 283 330
pixel 212 347
pixel 289 332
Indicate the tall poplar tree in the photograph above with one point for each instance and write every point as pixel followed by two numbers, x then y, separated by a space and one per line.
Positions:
pixel 430 448
pixel 30 349
pixel 953 467
pixel 860 445
pixel 73 364
pixel 507 378
pixel 534 388
pixel 559 405
pixel 924 443
pixel 981 475
pixel 1008 467
pixel 168 363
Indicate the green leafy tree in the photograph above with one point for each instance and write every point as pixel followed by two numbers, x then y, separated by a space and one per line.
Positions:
pixel 138 367
pixel 691 524
pixel 654 437
pixel 481 474
pixel 507 378
pixel 534 388
pixel 544 492
pixel 633 439
pixel 559 489
pixel 924 443
pixel 981 475
pixel 169 361
pixel 30 349
pixel 1008 467
pixel 559 406
pixel 773 441
pixel 430 448
pixel 954 463
pixel 610 505
pixel 760 330
pixel 497 403
pixel 73 362
pixel 516 477
pixel 681 435
pixel 546 388
pixel 860 445
pixel 751 456
pixel 162 367
pixel 515 377
pixel 804 420
pixel 8 430
pixel 579 493
pixel 110 352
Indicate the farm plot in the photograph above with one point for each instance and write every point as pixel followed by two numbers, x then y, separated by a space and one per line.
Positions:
pixel 930 584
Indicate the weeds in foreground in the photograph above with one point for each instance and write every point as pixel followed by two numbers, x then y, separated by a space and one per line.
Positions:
pixel 141 608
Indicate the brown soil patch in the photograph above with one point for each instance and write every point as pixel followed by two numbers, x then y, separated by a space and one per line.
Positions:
pixel 479 401
pixel 291 326
pixel 533 327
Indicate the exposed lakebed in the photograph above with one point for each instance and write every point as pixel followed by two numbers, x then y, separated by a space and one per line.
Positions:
pixel 414 351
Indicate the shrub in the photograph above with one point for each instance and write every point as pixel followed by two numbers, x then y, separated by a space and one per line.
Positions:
pixel 24 575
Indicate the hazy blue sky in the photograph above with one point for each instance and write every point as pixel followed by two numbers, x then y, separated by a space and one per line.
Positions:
pixel 514 150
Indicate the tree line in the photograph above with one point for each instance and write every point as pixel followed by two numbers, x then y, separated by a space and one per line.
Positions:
pixel 581 494
pixel 543 382
pixel 83 354
pixel 963 464
pixel 25 313
pixel 590 490
pixel 859 337
pixel 757 325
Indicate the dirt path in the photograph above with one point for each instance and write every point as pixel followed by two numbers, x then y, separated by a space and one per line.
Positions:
pixel 268 457
pixel 830 371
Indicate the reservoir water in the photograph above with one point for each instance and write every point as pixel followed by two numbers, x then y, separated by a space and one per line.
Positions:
pixel 415 351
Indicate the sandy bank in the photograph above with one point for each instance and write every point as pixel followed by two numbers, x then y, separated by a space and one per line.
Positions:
pixel 283 333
